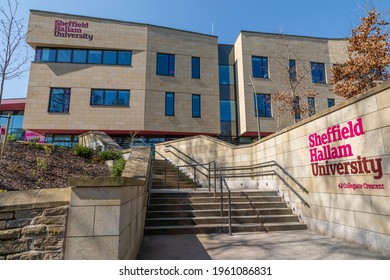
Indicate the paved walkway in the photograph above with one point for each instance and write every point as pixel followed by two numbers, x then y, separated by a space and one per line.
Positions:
pixel 285 245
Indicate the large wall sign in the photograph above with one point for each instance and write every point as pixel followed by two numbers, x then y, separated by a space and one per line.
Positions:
pixel 322 152
pixel 72 29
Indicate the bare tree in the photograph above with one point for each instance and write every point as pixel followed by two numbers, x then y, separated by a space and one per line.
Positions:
pixel 13 56
pixel 368 58
pixel 294 89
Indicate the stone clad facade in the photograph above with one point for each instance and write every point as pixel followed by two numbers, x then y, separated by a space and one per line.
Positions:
pixel 178 83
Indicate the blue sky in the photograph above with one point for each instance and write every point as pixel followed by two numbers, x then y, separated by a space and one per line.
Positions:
pixel 330 18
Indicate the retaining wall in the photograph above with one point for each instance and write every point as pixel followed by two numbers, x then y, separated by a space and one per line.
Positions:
pixel 341 156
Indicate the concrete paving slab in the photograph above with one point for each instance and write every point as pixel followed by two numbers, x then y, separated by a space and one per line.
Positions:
pixel 282 245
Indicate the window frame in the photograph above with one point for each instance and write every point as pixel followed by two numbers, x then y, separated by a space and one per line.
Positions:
pixel 315 70
pixel 65 100
pixel 104 91
pixel 170 71
pixel 264 68
pixel 193 97
pixel 331 100
pixel 265 108
pixel 167 113
pixel 195 62
pixel 292 66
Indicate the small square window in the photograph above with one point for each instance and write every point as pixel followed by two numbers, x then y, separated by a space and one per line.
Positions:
pixel 317 72
pixel 260 67
pixel 94 57
pixel 109 57
pixel 165 64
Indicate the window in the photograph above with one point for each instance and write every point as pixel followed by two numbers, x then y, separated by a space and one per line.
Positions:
pixel 64 55
pixel 109 57
pixel 227 110
pixel 312 105
pixel 79 56
pixel 196 68
pixel 165 64
pixel 124 57
pixel 331 102
pixel 110 97
pixel 226 75
pixel 317 72
pixel 263 105
pixel 196 106
pixel 59 100
pixel 169 104
pixel 260 67
pixel 94 57
pixel 48 55
pixel 296 108
pixel 62 140
pixel 292 70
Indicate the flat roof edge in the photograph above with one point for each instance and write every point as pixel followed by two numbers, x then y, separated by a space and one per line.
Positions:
pixel 290 35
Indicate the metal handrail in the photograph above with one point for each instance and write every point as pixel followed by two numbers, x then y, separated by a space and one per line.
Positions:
pixel 224 184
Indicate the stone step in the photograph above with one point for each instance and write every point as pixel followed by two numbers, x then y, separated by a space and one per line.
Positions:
pixel 223 228
pixel 200 206
pixel 206 193
pixel 194 200
pixel 221 220
pixel 217 212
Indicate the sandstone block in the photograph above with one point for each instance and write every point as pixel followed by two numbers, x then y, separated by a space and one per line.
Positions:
pixel 29 214
pixel 7 215
pixel 26 256
pixel 48 244
pixel 9 234
pixel 15 246
pixel 53 256
pixel 47 220
pixel 55 230
pixel 34 231
pixel 18 223
pixel 55 211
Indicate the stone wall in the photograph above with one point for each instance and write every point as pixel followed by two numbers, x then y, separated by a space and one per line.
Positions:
pixel 348 191
pixel 32 224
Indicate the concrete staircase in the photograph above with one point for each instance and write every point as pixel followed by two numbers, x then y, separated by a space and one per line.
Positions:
pixel 166 176
pixel 193 212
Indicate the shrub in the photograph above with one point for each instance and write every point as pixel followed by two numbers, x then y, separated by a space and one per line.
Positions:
pixel 11 137
pixel 83 151
pixel 34 143
pixel 110 155
pixel 118 167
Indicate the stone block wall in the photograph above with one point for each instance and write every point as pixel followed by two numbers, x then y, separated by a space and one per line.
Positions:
pixel 348 188
pixel 106 218
pixel 32 224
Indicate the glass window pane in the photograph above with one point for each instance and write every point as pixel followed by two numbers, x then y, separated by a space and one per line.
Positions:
pixel 64 55
pixel 97 97
pixel 171 65
pixel 109 57
pixel 110 97
pixel 226 75
pixel 228 110
pixel 57 100
pixel 94 57
pixel 79 56
pixel 312 105
pixel 196 106
pixel 196 68
pixel 124 58
pixel 331 102
pixel 38 54
pixel 263 105
pixel 49 55
pixel 162 64
pixel 260 67
pixel 123 97
pixel 293 71
pixel 169 104
pixel 317 72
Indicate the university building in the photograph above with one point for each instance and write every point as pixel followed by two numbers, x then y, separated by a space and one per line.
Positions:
pixel 160 83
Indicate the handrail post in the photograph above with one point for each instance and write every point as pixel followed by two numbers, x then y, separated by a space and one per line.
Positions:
pixel 209 177
pixel 221 198
pixel 230 213
pixel 195 177
pixel 215 179
pixel 165 172
pixel 178 179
